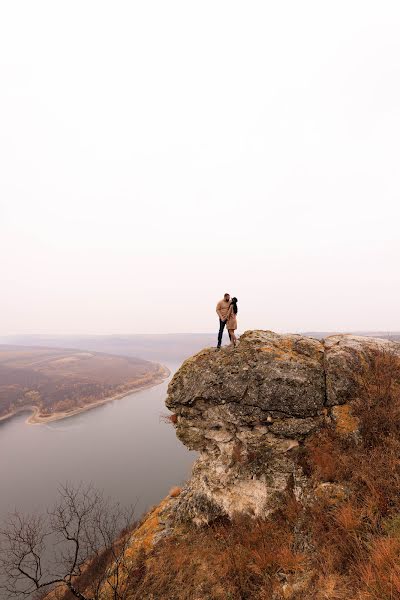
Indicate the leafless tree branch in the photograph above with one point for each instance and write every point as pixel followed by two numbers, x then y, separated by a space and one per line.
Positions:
pixel 86 537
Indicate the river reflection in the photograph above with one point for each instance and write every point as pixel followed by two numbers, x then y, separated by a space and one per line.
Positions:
pixel 122 447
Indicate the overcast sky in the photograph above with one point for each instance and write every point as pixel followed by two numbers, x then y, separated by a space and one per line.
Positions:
pixel 154 155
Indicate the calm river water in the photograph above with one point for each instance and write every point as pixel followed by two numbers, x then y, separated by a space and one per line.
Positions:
pixel 122 448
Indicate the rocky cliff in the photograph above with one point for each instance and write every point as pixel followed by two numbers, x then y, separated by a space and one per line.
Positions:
pixel 294 495
pixel 249 410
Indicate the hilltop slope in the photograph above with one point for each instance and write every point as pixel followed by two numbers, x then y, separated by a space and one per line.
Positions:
pixel 295 492
pixel 56 383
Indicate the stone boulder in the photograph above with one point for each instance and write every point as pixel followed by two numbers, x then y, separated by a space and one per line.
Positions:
pixel 347 359
pixel 248 409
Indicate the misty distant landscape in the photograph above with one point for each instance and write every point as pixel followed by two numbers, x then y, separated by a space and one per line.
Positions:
pixel 153 347
pixel 123 447
pixel 58 375
pixel 174 347
pixel 57 382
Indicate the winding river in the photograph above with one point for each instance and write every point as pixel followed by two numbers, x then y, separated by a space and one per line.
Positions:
pixel 122 447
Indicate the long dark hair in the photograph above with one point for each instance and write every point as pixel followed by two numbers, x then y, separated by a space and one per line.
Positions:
pixel 234 304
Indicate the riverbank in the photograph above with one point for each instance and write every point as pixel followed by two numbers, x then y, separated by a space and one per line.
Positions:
pixel 36 418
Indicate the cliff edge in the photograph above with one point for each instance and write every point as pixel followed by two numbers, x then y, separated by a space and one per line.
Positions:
pixel 294 494
pixel 249 410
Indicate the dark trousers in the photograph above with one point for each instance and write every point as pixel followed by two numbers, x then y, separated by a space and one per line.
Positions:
pixel 221 331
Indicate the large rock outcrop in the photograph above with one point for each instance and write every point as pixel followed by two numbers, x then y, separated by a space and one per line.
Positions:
pixel 248 410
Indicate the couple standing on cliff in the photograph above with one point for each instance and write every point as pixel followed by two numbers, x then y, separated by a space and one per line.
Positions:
pixel 227 310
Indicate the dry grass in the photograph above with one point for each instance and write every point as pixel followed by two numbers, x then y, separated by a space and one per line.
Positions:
pixel 169 418
pixel 343 550
pixel 238 559
pixel 174 492
pixel 348 549
pixel 359 543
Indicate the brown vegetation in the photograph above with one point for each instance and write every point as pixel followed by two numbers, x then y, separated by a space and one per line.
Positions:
pixel 169 418
pixel 59 380
pixel 342 543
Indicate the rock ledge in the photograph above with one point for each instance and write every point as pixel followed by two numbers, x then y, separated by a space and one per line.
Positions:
pixel 247 411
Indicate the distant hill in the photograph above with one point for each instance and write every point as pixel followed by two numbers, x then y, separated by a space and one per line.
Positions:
pixel 173 348
pixel 57 382
pixel 387 335
pixel 165 348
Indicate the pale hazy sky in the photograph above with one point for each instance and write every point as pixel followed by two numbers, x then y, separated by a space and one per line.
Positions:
pixel 154 155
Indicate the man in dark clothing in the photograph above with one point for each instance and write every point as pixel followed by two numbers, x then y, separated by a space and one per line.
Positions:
pixel 222 312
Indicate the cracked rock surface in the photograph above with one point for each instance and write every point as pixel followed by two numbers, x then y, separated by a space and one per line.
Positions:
pixel 247 410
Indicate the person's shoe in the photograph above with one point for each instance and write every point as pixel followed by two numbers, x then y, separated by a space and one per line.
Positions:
pixel 218 348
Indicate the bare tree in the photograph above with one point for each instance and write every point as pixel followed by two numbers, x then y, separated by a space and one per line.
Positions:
pixel 77 548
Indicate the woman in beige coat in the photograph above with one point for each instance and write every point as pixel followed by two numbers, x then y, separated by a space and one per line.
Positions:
pixel 231 321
